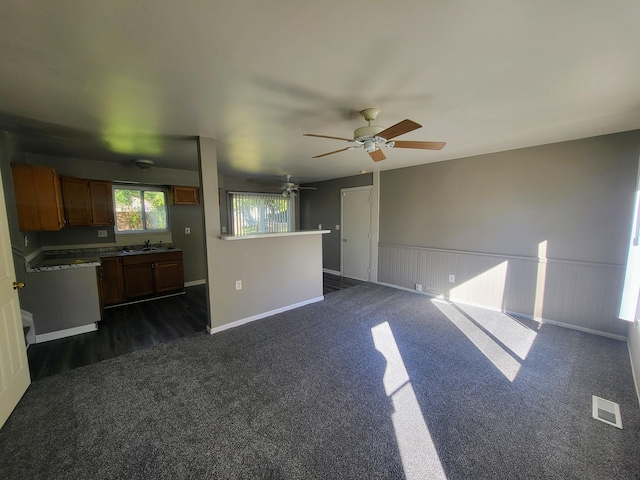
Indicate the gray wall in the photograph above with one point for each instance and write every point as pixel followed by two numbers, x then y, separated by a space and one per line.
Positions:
pixel 575 198
pixel 322 207
pixel 275 272
pixel 10 152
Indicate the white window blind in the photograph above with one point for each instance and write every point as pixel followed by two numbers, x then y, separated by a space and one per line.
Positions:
pixel 255 213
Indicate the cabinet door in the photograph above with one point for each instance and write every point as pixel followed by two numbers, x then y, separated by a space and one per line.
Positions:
pixel 169 276
pixel 38 198
pixel 185 195
pixel 111 281
pixel 77 206
pixel 101 203
pixel 138 280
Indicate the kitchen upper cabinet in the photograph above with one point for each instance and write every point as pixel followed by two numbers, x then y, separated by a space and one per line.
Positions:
pixel 77 204
pixel 184 195
pixel 101 198
pixel 110 281
pixel 87 202
pixel 152 274
pixel 38 198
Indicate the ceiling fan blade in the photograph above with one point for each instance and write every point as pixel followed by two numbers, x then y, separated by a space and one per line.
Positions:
pixel 421 145
pixel 331 153
pixel 327 136
pixel 377 155
pixel 307 188
pixel 398 129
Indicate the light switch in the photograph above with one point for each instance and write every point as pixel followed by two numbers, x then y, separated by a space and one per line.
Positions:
pixel 187 231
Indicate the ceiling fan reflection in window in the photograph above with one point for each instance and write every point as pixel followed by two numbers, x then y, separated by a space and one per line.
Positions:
pixel 372 137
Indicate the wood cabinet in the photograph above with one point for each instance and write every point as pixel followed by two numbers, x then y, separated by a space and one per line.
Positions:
pixel 184 195
pixel 77 205
pixel 101 198
pixel 152 274
pixel 87 202
pixel 111 281
pixel 38 198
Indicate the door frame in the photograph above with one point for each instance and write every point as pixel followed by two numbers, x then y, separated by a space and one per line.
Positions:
pixel 374 225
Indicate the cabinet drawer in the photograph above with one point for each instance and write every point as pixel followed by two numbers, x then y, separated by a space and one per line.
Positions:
pixel 151 258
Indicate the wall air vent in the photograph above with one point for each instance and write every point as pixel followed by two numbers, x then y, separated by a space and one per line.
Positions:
pixel 606 411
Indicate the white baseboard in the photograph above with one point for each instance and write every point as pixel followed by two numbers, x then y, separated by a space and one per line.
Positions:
pixel 193 283
pixel 332 272
pixel 636 379
pixel 515 314
pixel 69 332
pixel 242 321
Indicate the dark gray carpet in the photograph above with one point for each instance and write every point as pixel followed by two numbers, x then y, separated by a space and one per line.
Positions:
pixel 304 395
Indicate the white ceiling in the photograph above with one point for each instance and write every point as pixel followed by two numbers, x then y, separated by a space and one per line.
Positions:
pixel 117 80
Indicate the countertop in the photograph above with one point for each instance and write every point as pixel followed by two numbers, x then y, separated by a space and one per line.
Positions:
pixel 52 260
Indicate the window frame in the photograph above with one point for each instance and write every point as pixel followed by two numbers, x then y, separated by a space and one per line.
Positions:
pixel 142 189
pixel 276 196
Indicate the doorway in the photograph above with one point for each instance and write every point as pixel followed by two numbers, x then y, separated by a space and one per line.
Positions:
pixel 355 239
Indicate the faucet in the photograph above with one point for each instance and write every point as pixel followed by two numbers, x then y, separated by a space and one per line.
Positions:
pixel 147 243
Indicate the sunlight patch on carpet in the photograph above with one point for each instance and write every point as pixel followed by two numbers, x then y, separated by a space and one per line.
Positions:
pixel 418 453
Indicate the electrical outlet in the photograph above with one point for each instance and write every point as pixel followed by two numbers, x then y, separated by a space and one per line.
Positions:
pixel 224 229
pixel 337 227
pixel 452 278
pixel 102 233
pixel 319 226
pixel 418 287
pixel 187 231
pixel 238 284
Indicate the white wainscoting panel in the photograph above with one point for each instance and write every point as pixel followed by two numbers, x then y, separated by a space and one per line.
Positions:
pixel 580 294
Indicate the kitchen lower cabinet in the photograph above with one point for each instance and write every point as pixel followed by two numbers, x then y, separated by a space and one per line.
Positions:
pixel 152 274
pixel 111 281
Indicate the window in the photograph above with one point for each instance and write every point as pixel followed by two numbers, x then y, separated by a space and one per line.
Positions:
pixel 254 213
pixel 140 209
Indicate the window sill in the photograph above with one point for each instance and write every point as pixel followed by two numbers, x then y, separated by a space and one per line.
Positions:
pixel 272 235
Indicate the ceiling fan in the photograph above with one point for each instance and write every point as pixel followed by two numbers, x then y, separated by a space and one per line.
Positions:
pixel 372 137
pixel 290 189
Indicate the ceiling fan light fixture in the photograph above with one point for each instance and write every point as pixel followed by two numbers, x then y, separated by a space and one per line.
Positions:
pixel 143 164
pixel 370 146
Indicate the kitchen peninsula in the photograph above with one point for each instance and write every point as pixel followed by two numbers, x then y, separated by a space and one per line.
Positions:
pixel 70 288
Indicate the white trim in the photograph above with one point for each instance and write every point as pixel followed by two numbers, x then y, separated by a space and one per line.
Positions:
pixel 242 321
pixel 634 373
pixel 271 235
pixel 68 332
pixel 515 314
pixel 375 227
pixel 149 299
pixel 498 255
pixel 193 283
pixel 332 272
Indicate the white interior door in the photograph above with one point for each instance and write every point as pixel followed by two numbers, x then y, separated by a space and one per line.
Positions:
pixel 356 231
pixel 14 369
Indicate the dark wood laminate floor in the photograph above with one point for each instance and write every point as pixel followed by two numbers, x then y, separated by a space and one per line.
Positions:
pixel 333 283
pixel 127 328
pixel 124 329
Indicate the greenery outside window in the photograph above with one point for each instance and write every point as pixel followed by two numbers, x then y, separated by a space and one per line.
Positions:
pixel 140 209
pixel 259 213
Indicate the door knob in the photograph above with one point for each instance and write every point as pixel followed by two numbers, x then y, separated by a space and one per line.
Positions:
pixel 17 285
